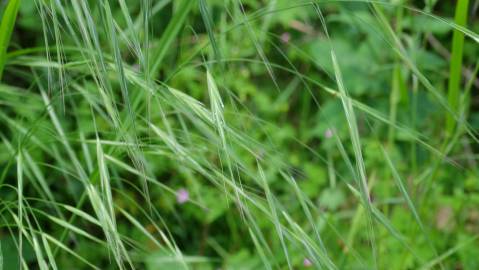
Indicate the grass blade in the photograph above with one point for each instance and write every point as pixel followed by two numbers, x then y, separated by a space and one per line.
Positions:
pixel 20 203
pixel 206 16
pixel 170 33
pixel 455 67
pixel 6 28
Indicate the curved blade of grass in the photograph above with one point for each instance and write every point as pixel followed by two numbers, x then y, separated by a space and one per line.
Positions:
pixel 257 44
pixel 299 233
pixel 360 167
pixel 67 249
pixel 450 252
pixel 74 229
pixel 171 31
pixel 260 250
pixel 409 202
pixel 276 221
pixel 49 253
pixel 6 28
pixel 206 16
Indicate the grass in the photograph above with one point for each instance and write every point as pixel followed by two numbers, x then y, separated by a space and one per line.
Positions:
pixel 171 31
pixel 460 18
pixel 238 135
pixel 6 27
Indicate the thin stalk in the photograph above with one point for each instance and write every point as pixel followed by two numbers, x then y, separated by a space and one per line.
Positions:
pixel 455 67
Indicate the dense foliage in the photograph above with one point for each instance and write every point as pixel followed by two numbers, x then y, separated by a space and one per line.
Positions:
pixel 239 134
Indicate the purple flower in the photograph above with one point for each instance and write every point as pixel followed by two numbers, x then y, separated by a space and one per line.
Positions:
pixel 182 196
pixel 328 133
pixel 285 37
pixel 307 262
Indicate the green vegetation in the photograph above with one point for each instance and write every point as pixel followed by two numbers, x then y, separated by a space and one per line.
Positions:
pixel 239 134
pixel 6 27
pixel 456 61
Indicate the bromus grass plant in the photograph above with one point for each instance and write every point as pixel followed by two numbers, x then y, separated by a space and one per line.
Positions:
pixel 239 134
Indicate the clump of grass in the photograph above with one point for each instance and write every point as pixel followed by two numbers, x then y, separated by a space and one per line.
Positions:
pixel 283 161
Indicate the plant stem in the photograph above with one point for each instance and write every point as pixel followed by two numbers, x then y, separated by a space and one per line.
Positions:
pixel 455 67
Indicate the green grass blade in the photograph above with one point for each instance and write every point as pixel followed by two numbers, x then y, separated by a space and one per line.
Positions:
pixel 409 202
pixel 6 28
pixel 448 253
pixel 68 250
pixel 260 250
pixel 402 188
pixel 49 253
pixel 276 221
pixel 170 33
pixel 206 16
pixel 455 67
pixel 20 203
pixel 1 257
pixel 355 139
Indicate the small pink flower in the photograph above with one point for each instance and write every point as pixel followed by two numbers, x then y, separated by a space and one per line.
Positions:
pixel 285 37
pixel 307 262
pixel 182 196
pixel 136 68
pixel 328 133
